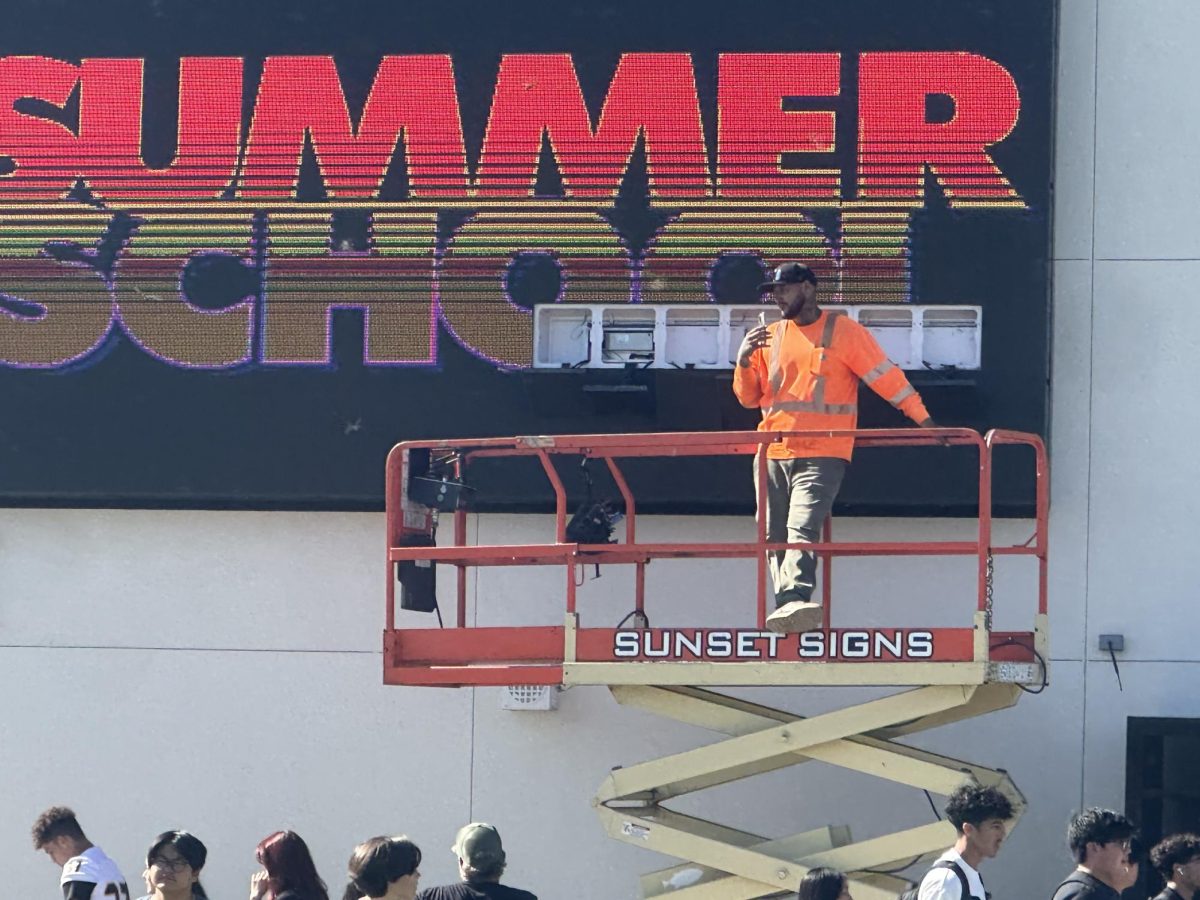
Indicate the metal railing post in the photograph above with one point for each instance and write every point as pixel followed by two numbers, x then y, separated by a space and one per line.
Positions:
pixel 460 540
pixel 827 572
pixel 760 516
pixel 639 580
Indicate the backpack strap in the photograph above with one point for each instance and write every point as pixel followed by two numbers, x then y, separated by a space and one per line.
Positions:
pixel 957 870
pixel 1070 879
pixel 962 877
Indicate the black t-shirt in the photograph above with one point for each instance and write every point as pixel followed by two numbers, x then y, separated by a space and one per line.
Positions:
pixel 477 890
pixel 1169 894
pixel 1084 886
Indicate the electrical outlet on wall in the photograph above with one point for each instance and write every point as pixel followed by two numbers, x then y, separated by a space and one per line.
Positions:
pixel 1112 643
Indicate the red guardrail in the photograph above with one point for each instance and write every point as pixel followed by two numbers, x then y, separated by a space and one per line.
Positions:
pixel 408 523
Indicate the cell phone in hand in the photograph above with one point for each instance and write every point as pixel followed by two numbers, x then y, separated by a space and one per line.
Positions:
pixel 762 317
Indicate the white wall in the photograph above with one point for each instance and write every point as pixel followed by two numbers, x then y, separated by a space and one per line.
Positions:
pixel 1127 253
pixel 220 671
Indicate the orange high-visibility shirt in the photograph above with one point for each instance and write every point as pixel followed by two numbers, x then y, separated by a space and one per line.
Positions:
pixel 807 377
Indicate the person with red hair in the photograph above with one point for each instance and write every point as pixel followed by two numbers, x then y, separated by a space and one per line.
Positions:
pixel 288 870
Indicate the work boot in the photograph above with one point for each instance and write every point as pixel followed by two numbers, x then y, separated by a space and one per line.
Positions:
pixel 795 617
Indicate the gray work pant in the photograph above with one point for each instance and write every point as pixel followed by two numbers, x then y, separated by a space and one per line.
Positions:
pixel 800 494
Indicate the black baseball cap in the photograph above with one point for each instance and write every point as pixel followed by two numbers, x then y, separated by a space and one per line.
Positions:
pixel 789 273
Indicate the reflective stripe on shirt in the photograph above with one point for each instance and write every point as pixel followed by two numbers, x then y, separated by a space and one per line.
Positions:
pixel 879 371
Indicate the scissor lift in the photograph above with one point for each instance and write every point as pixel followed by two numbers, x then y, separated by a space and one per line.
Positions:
pixel 952 673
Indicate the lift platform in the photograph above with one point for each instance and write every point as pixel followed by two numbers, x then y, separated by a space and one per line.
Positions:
pixel 951 674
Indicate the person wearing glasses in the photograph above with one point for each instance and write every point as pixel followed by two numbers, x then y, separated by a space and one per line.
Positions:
pixel 1177 859
pixel 173 865
pixel 803 372
pixel 288 871
pixel 1103 843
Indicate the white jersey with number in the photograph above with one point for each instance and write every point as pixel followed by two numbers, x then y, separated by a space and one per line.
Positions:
pixel 94 866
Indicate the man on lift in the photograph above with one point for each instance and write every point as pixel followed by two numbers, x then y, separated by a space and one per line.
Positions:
pixel 803 373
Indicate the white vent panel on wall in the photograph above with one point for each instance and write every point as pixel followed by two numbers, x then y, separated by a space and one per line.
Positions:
pixel 707 335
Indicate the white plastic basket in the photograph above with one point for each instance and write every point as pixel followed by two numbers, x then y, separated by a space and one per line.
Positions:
pixel 533 697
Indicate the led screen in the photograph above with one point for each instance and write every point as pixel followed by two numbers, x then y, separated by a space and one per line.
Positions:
pixel 244 249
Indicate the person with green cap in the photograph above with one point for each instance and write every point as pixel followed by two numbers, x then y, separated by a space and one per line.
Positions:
pixel 481 862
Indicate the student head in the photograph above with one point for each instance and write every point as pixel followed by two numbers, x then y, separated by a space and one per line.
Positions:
pixel 173 865
pixel 289 866
pixel 57 833
pixel 1101 841
pixel 824 884
pixel 480 853
pixel 384 867
pixel 980 816
pixel 1177 859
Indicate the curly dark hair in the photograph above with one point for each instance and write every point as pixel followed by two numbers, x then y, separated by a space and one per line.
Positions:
pixel 976 804
pixel 57 821
pixel 1097 826
pixel 1173 851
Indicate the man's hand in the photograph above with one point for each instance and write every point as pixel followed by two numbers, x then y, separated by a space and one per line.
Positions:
pixel 758 336
pixel 928 422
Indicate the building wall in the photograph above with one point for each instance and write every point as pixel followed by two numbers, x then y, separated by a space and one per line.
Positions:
pixel 1126 250
pixel 221 671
